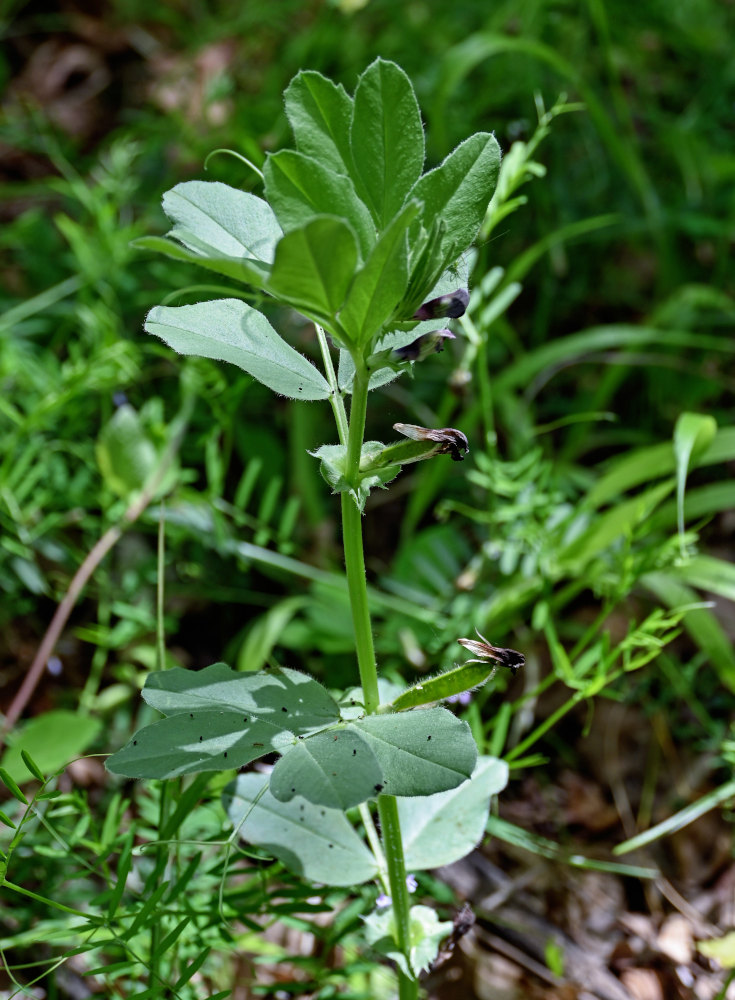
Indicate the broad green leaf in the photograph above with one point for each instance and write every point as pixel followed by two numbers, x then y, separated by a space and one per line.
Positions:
pixel 336 768
pixel 319 113
pixel 444 685
pixel 300 187
pixel 442 828
pixel 251 271
pixel 295 700
pixel 205 740
pixel 231 330
pixel 387 139
pixel 233 223
pixel 53 739
pixel 693 434
pixel 219 719
pixel 381 284
pixel 125 454
pixel 458 192
pixel 317 843
pixel 420 752
pixel 314 268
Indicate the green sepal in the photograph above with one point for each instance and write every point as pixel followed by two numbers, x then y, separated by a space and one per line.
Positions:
pixel 445 685
pixel 333 458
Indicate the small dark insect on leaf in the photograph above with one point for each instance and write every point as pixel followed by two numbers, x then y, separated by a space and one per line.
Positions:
pixel 191 715
pixel 258 744
pixel 484 651
pixel 378 788
pixel 428 738
pixel 284 709
pixel 354 753
pixel 135 743
pixel 201 738
pixel 225 753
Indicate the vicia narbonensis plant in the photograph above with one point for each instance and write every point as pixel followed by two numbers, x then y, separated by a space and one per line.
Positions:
pixel 351 234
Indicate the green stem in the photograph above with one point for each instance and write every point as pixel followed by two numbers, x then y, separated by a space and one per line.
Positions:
pixel 357 586
pixel 352 540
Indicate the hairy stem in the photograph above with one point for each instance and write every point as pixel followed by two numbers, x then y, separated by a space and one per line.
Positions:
pixel 357 586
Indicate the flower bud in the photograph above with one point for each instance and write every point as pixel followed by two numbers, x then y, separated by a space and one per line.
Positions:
pixel 453 305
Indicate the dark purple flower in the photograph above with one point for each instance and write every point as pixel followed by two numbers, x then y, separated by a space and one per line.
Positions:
pixel 453 305
pixel 423 346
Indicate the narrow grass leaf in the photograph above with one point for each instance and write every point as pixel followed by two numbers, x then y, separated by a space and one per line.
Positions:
pixel 693 434
pixel 700 623
pixel 679 820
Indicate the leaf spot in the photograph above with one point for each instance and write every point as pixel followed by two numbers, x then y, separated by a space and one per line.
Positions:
pixel 331 845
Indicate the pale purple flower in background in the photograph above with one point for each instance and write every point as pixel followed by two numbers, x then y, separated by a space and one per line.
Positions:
pixel 462 699
pixel 384 900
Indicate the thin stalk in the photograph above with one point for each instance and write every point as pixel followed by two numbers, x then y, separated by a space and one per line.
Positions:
pixel 335 399
pixel 352 540
pixel 393 844
pixel 160 602
pixel 375 846
pixel 357 586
